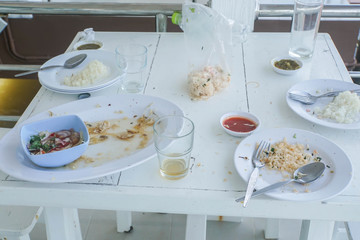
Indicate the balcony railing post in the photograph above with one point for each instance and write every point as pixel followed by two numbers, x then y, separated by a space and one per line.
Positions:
pixel 161 22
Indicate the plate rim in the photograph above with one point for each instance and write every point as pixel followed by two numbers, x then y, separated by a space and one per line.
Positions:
pixel 51 178
pixel 292 130
pixel 75 90
pixel 293 105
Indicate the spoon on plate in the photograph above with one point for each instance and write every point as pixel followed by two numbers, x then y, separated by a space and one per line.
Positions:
pixel 70 63
pixel 305 174
pixel 84 95
pixel 307 98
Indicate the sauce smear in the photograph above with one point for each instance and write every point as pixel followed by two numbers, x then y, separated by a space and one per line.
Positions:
pixel 239 124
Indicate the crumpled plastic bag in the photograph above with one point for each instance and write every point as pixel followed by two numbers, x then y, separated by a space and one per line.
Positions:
pixel 208 39
pixel 88 34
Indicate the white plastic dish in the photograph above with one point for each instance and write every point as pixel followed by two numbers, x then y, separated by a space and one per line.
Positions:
pixel 239 114
pixel 58 158
pixel 286 72
pixel 53 79
pixel 336 178
pixel 316 87
pixel 15 163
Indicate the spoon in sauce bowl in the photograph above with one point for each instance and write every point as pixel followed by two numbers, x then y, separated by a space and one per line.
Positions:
pixel 305 174
pixel 70 63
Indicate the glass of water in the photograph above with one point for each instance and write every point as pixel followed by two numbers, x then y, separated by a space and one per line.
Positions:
pixel 173 138
pixel 305 26
pixel 132 59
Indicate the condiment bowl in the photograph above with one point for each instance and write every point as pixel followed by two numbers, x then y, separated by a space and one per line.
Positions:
pixel 53 124
pixel 239 124
pixel 288 71
pixel 88 45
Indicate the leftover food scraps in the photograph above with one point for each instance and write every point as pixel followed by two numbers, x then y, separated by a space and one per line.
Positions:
pixel 46 142
pixel 114 139
pixel 345 108
pixel 287 64
pixel 288 157
pixel 206 82
pixel 92 73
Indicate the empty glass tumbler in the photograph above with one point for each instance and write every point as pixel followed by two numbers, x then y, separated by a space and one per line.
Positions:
pixel 132 59
pixel 305 26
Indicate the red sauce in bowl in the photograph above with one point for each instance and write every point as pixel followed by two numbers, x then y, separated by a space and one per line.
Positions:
pixel 239 124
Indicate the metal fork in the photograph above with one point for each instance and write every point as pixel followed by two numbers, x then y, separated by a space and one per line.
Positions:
pixel 307 98
pixel 255 174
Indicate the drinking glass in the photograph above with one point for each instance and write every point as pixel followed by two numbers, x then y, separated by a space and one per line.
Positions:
pixel 132 59
pixel 305 26
pixel 174 137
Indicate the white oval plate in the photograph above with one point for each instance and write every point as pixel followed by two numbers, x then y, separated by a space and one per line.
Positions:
pixel 14 162
pixel 336 178
pixel 317 87
pixel 53 79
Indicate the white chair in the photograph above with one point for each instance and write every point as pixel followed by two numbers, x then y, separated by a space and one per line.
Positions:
pixel 17 222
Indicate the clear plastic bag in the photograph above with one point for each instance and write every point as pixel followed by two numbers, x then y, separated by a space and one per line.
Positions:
pixel 208 38
pixel 242 12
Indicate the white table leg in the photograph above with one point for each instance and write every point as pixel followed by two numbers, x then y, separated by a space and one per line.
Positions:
pixel 24 237
pixel 272 228
pixel 316 230
pixel 195 227
pixel 123 221
pixel 62 223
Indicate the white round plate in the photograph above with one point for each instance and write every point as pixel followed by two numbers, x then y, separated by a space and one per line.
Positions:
pixel 79 92
pixel 53 79
pixel 14 162
pixel 336 178
pixel 317 87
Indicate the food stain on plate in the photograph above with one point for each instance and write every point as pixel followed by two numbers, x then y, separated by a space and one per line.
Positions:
pixel 114 139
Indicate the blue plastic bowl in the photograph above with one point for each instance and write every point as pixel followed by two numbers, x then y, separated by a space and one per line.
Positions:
pixel 62 157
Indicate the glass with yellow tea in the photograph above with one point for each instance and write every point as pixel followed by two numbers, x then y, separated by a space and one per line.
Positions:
pixel 173 138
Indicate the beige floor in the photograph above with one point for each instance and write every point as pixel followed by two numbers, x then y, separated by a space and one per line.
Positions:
pixel 101 225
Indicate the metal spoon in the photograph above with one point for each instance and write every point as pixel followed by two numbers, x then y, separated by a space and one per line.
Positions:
pixel 70 63
pixel 307 98
pixel 305 174
pixel 84 95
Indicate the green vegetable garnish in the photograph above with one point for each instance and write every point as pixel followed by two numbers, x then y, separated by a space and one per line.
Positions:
pixel 35 142
pixel 287 64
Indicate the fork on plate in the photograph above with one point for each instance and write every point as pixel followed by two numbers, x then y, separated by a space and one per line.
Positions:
pixel 264 146
pixel 307 98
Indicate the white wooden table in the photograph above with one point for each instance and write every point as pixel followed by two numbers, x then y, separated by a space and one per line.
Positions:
pixel 213 183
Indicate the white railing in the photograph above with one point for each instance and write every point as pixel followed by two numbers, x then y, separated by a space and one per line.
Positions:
pixel 160 11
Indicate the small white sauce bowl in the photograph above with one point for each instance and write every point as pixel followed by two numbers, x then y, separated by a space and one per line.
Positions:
pixel 81 43
pixel 53 124
pixel 286 72
pixel 247 115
